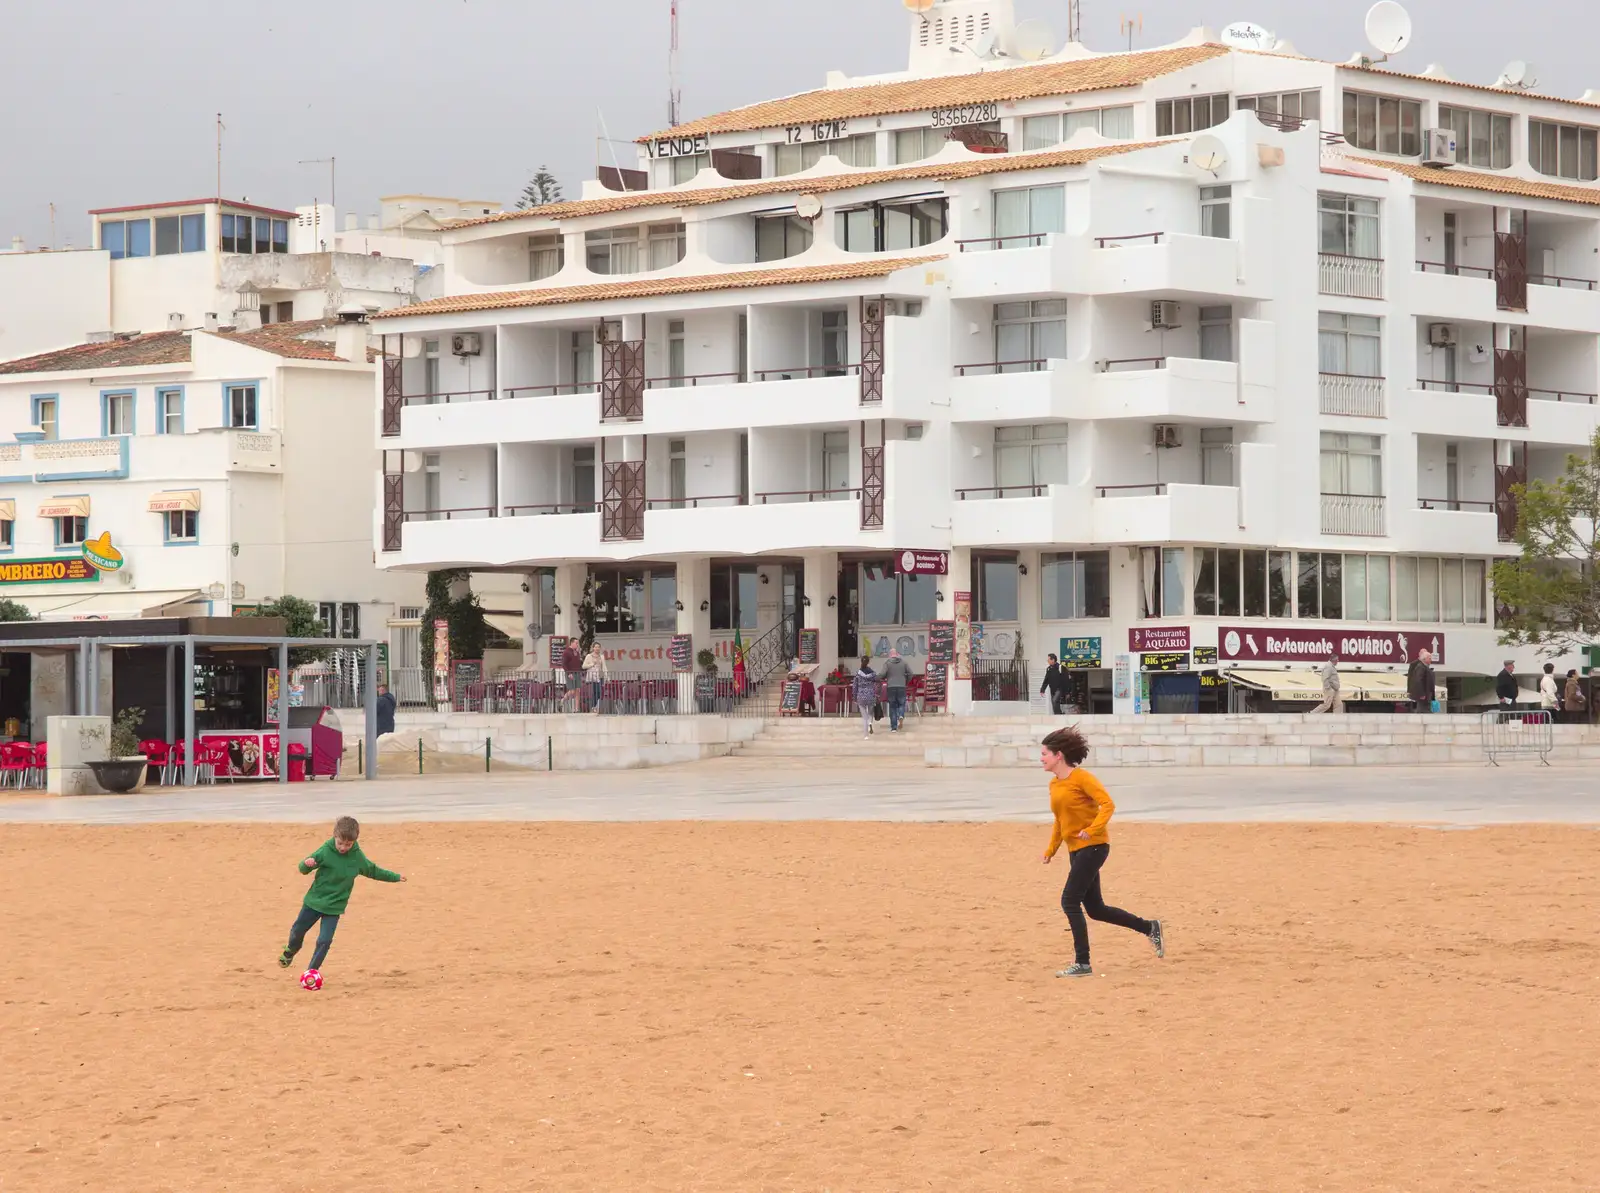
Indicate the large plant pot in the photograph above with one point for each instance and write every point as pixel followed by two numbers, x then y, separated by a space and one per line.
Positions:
pixel 120 775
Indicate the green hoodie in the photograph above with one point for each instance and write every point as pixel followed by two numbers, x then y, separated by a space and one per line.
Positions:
pixel 336 876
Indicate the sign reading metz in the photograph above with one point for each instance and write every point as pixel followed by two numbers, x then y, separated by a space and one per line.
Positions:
pixel 1255 644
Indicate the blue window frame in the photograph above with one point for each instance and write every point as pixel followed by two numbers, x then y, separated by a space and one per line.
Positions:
pixel 71 532
pixel 263 234
pixel 240 405
pixel 113 239
pixel 280 236
pixel 46 414
pixel 8 529
pixel 169 411
pixel 117 409
pixel 138 232
pixel 180 528
pixel 194 232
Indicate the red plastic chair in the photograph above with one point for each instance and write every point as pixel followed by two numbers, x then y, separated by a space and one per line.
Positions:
pixel 16 764
pixel 41 763
pixel 835 699
pixel 155 754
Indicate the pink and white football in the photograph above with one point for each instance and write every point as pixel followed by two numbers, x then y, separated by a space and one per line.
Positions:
pixel 311 979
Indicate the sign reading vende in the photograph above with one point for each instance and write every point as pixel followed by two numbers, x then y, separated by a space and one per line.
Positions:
pixel 45 571
pixel 1256 644
pixel 1160 637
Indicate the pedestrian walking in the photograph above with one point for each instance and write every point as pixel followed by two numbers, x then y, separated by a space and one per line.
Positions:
pixel 865 690
pixel 1332 696
pixel 1549 691
pixel 896 675
pixel 1505 685
pixel 1055 682
pixel 1420 686
pixel 594 675
pixel 1082 809
pixel 1573 702
pixel 385 710
pixel 572 669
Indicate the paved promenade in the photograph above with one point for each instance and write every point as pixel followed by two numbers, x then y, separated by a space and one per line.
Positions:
pixel 780 789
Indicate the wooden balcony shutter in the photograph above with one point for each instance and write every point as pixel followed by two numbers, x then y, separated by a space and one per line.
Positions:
pixel 871 350
pixel 622 380
pixel 1511 271
pixel 1510 387
pixel 622 503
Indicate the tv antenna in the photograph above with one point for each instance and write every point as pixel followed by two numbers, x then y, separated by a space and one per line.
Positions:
pixel 1128 26
pixel 1074 20
pixel 1388 28
pixel 674 91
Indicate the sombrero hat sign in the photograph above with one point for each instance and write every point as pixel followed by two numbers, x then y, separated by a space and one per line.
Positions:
pixel 100 554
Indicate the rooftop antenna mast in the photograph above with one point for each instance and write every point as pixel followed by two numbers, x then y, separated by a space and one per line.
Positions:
pixel 1074 20
pixel 674 91
pixel 1131 25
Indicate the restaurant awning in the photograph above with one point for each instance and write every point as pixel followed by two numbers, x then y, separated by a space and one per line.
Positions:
pixel 8 509
pixel 107 606
pixel 174 499
pixel 65 507
pixel 1307 685
pixel 508 624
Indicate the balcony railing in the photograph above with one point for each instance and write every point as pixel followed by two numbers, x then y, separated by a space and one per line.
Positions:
pixel 1156 490
pixel 1350 277
pixel 989 368
pixel 1117 242
pixel 445 399
pixel 804 371
pixel 1455 271
pixel 1352 513
pixel 694 503
pixel 553 507
pixel 1484 387
pixel 1561 395
pixel 691 380
pixel 1561 283
pixel 794 496
pixel 450 515
pixel 1347 393
pixel 1455 387
pixel 1132 363
pixel 1000 492
pixel 1023 240
pixel 550 391
pixel 1455 503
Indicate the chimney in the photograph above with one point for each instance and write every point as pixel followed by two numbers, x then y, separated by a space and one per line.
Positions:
pixel 99 337
pixel 17 245
pixel 175 321
pixel 211 321
pixel 350 336
pixel 247 319
pixel 352 222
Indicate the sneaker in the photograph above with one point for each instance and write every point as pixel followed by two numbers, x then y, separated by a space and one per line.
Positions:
pixel 1157 941
pixel 285 959
pixel 1076 970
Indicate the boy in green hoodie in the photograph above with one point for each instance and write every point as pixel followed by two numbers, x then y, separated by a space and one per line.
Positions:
pixel 337 862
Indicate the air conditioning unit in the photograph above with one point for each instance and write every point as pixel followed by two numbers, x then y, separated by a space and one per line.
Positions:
pixel 1163 315
pixel 1168 435
pixel 468 343
pixel 1441 335
pixel 1438 147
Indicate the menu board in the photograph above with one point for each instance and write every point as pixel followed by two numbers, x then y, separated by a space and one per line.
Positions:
pixel 558 643
pixel 789 698
pixel 705 690
pixel 810 645
pixel 942 642
pixel 1164 660
pixel 462 673
pixel 681 652
pixel 935 692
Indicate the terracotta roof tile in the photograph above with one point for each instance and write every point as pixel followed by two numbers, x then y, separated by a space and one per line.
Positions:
pixel 1502 184
pixel 989 163
pixel 1019 82
pixel 285 339
pixel 655 287
pixel 157 348
pixel 1396 74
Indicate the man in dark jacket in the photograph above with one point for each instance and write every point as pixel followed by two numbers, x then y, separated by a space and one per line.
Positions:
pixel 896 676
pixel 1419 683
pixel 1055 683
pixel 385 710
pixel 1505 685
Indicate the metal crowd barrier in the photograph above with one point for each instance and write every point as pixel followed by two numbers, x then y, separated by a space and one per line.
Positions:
pixel 1508 733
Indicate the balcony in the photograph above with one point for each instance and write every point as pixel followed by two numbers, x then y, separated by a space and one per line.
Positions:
pixel 1020 514
pixel 1476 410
pixel 1142 263
pixel 1352 514
pixel 1169 513
pixel 1456 527
pixel 1350 277
pixel 1345 393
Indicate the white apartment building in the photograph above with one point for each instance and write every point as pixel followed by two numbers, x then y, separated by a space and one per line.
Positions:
pixel 1196 350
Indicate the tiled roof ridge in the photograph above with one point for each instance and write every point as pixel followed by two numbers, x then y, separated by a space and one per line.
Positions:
pixel 1489 87
pixel 154 348
pixel 1503 184
pixel 658 287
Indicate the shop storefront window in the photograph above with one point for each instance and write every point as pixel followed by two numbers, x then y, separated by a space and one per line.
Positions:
pixel 1161 589
pixel 635 600
pixel 733 597
pixel 994 582
pixel 1075 585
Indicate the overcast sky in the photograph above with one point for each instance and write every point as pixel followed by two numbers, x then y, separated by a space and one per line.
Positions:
pixel 114 102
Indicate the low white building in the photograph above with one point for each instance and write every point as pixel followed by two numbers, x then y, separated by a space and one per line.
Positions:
pixel 1187 356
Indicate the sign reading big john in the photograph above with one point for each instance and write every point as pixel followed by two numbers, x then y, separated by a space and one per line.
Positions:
pixel 1253 644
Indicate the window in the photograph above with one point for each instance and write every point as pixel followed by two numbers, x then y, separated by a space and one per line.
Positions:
pixel 583 479
pixel 1562 150
pixel 7 534
pixel 1482 138
pixel 193 235
pixel 1075 584
pixel 1215 205
pixel 888 598
pixel 678 472
pixel 1216 333
pixel 835 343
pixel 1321 585
pixel 546 255
pixel 582 359
pixel 1190 114
pixel 1160 581
pixel 1216 456
pixel 1349 345
pixel 169 412
pixel 994 585
pixel 113 239
pixel 635 599
pixel 1028 457
pixel 263 241
pixel 686 167
pixel 663 600
pixel 168 241
pixel 182 526
pixel 677 348
pixel 1025 216
pixel 126 238
pixel 612 251
pixel 1026 333
pixel 851 151
pixel 1295 105
pixel 1218 582
pixel 237 236
pixel 667 243
pixel 744 467
pixel 138 233
pixel 836 464
pixel 71 531
pixel 884 226
pixel 328 616
pixel 286 312
pixel 430 370
pixel 916 144
pixel 1041 132
pixel 733 597
pixel 1348 226
pixel 1383 123
pixel 781 236
pixel 116 414
pixel 1352 464
pixel 242 406
pixel 44 416
pixel 349 619
pixel 1268 583
pixel 430 481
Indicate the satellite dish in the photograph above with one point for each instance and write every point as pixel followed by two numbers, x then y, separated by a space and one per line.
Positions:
pixel 1208 155
pixel 1388 27
pixel 1247 35
pixel 808 207
pixel 1032 40
pixel 1517 74
pixel 919 5
pixel 986 46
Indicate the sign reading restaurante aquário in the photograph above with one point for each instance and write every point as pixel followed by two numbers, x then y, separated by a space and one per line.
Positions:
pixel 1159 637
pixel 46 571
pixel 1256 644
pixel 922 563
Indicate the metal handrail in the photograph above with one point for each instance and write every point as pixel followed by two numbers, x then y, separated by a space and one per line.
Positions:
pixel 1352 376
pixel 811 494
pixel 447 515
pixel 1159 362
pixel 553 391
pixel 1449 503
pixel 1155 490
pixel 688 380
pixel 555 507
pixel 1478 271
pixel 674 503
pixel 1556 280
pixel 1001 490
pixel 1561 395
pixel 807 371
pixel 1455 387
pixel 470 395
pixel 1106 242
pixel 1037 239
pixel 1034 366
pixel 1348 256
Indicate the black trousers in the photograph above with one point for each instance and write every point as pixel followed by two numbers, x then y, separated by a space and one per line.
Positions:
pixel 1082 894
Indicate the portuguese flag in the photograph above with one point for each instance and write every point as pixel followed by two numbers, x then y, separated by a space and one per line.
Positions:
pixel 738 662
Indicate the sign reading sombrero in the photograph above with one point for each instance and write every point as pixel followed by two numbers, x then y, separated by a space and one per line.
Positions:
pixel 45 571
pixel 101 555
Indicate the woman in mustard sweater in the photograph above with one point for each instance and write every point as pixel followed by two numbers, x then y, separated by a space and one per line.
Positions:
pixel 1082 810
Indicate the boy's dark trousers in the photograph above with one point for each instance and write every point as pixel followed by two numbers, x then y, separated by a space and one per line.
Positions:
pixel 302 924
